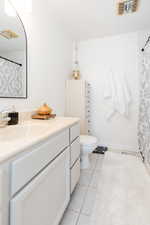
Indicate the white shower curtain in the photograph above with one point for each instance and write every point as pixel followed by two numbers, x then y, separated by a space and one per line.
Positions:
pixel 11 80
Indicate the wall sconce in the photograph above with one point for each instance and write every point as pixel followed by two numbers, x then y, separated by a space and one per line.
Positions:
pixel 76 69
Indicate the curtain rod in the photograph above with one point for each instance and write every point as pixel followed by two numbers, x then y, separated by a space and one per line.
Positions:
pixel 148 40
pixel 10 61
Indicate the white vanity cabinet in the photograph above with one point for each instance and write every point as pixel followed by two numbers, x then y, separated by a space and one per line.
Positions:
pixel 42 179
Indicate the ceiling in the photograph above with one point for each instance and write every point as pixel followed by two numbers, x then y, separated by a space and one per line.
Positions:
pixel 86 19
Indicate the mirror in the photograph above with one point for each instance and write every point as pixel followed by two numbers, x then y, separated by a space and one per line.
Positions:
pixel 13 53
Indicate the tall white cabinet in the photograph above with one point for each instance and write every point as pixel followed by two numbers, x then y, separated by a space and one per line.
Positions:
pixel 78 103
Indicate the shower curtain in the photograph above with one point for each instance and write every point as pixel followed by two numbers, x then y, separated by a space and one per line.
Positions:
pixel 144 109
pixel 11 80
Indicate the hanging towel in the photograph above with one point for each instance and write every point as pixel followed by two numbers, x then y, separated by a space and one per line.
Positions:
pixel 118 93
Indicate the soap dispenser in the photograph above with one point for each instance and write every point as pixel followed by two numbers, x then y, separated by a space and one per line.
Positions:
pixel 14 117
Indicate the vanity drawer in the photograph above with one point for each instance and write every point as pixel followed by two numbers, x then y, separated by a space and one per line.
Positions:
pixel 75 151
pixel 74 132
pixel 28 166
pixel 75 175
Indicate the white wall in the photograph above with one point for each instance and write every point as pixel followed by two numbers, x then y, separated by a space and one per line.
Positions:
pixel 49 56
pixel 97 57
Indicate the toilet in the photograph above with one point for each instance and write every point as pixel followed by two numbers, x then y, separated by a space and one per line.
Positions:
pixel 87 146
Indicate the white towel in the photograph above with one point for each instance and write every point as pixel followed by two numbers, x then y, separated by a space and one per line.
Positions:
pixel 118 93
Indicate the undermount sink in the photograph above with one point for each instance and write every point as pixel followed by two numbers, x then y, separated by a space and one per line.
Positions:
pixel 22 131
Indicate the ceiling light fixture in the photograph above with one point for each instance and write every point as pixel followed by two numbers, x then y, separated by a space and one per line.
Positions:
pixel 9 34
pixel 127 6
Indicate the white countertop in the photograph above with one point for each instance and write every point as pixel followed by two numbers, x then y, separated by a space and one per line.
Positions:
pixel 16 139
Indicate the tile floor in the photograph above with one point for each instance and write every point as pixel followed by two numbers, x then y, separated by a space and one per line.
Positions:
pixel 84 196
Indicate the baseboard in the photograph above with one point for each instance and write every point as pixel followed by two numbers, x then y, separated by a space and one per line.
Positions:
pixel 120 148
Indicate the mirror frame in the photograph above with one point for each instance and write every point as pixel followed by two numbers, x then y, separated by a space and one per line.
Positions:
pixel 26 49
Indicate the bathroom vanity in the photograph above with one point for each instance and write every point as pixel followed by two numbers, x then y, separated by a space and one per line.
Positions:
pixel 39 169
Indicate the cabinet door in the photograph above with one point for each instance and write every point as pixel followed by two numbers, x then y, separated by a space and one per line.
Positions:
pixel 75 175
pixel 4 194
pixel 75 151
pixel 44 200
pixel 74 132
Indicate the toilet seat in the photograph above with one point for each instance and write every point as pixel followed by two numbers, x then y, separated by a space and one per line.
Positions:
pixel 88 144
pixel 88 141
pixel 88 148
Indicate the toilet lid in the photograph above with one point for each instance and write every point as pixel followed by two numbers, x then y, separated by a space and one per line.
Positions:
pixel 87 140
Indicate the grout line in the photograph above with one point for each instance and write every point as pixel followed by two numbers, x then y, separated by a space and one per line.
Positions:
pixel 92 171
pixel 88 186
pixel 83 202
